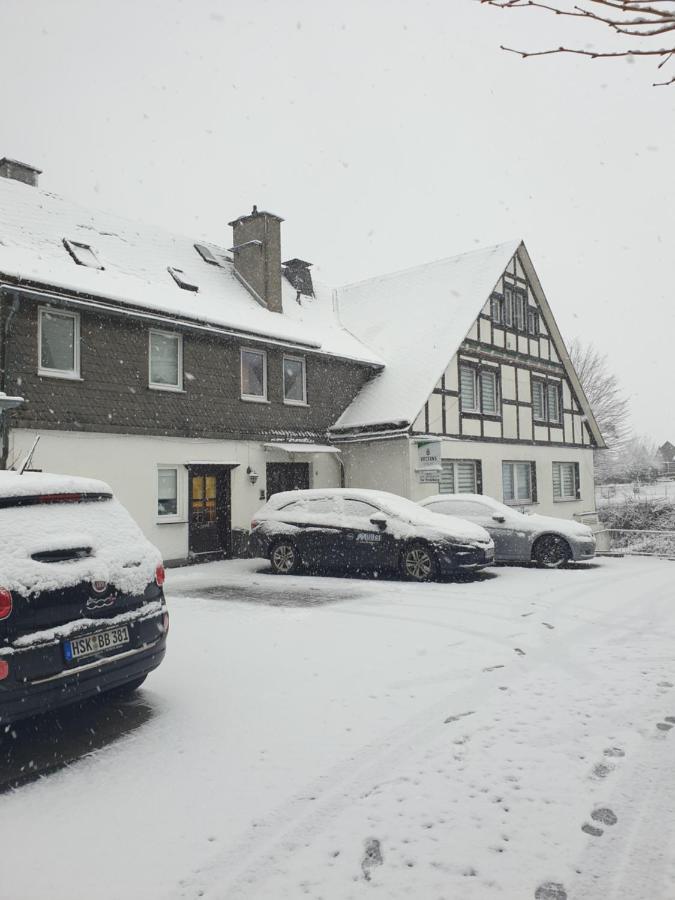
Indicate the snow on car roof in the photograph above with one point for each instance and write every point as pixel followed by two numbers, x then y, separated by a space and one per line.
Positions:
pixel 416 319
pixel 481 498
pixel 12 484
pixel 135 260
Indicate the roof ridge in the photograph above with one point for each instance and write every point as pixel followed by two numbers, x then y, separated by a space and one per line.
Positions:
pixel 514 242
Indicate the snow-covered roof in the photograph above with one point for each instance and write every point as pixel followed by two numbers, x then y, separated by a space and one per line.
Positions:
pixel 415 320
pixel 135 260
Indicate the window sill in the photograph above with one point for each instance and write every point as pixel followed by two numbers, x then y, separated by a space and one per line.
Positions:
pixel 64 376
pixel 171 520
pixel 517 503
pixel 566 499
pixel 295 403
pixel 167 387
pixel 254 399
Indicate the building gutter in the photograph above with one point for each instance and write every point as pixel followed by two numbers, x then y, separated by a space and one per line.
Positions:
pixel 5 335
pixel 43 294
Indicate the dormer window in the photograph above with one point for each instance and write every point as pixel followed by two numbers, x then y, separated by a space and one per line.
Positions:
pixel 181 279
pixel 82 254
pixel 207 254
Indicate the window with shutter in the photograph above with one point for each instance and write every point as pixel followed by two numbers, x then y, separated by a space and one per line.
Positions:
pixel 447 481
pixel 553 397
pixel 468 389
pixel 458 477
pixel 488 387
pixel 538 404
pixel 565 481
pixel 518 482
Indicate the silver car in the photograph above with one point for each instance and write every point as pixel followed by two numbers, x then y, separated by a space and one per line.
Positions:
pixel 519 537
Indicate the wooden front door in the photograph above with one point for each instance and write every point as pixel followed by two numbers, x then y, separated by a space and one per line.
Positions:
pixel 286 477
pixel 209 512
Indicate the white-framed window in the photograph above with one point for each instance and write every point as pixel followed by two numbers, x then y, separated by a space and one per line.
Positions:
pixel 253 375
pixel 83 254
pixel 479 390
pixel 532 321
pixel 165 360
pixel 496 308
pixel 459 476
pixel 168 494
pixel 546 401
pixel 508 306
pixel 566 481
pixel 518 482
pixel 468 386
pixel 295 380
pixel 58 343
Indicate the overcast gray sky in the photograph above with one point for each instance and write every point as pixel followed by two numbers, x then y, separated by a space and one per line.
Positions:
pixel 386 133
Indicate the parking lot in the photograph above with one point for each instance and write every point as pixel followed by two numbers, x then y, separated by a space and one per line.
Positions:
pixel 503 736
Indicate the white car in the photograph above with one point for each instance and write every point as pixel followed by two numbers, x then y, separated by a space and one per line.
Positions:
pixel 519 537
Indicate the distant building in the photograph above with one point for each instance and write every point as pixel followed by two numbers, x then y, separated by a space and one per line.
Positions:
pixel 667 454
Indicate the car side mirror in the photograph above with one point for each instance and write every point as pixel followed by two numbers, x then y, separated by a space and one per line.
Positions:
pixel 380 520
pixel 499 518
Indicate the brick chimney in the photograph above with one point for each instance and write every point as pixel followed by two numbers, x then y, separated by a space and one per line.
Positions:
pixel 18 171
pixel 257 256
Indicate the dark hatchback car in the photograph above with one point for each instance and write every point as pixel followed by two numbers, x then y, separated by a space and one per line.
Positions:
pixel 360 530
pixel 82 607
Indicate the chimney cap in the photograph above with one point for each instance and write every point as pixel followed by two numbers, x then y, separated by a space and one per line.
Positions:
pixel 296 263
pixel 255 212
pixel 17 162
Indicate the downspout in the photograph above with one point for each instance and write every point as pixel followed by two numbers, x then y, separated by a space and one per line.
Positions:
pixel 4 357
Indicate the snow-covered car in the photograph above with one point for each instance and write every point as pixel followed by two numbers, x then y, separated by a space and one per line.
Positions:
pixel 519 537
pixel 82 606
pixel 360 530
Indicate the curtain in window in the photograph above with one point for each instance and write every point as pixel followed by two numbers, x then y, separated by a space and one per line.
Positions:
pixel 467 377
pixel 466 477
pixel 252 374
pixel 517 481
pixel 57 349
pixel 523 481
pixel 507 482
pixel 564 481
pixel 294 381
pixel 164 359
pixel 538 400
pixel 488 386
pixel 553 403
pixel 167 492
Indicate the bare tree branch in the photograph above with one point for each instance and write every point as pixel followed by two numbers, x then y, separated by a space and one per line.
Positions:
pixel 641 19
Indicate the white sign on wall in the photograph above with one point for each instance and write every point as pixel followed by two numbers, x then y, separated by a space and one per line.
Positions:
pixel 428 455
pixel 428 476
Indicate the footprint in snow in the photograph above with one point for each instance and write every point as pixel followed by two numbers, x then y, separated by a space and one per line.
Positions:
pixel 602 770
pixel 614 751
pixel 492 668
pixel 550 890
pixel 519 651
pixel 548 625
pixel 592 829
pixel 605 815
pixel 458 717
pixel 372 857
pixel 664 726
pixel 665 684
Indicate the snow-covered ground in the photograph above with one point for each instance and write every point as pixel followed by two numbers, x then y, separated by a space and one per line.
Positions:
pixel 610 494
pixel 346 738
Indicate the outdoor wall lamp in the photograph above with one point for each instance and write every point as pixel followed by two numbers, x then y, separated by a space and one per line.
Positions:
pixel 252 475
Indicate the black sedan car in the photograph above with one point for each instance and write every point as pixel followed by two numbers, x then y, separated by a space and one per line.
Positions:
pixel 82 607
pixel 359 530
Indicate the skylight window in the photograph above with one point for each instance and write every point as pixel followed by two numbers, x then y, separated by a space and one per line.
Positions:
pixel 82 254
pixel 182 279
pixel 207 254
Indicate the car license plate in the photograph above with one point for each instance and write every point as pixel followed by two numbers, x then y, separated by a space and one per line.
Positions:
pixel 98 642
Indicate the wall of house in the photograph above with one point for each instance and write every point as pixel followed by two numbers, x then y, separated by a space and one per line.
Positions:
pixel 381 465
pixel 129 464
pixel 113 394
pixel 491 455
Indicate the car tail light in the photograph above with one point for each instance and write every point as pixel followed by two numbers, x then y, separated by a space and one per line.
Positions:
pixel 254 524
pixel 5 603
pixel 165 622
pixel 160 575
pixel 4 669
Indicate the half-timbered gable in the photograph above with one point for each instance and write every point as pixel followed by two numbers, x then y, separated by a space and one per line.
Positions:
pixel 511 379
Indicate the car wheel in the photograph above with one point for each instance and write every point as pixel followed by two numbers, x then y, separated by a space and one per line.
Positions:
pixel 551 552
pixel 418 563
pixel 284 558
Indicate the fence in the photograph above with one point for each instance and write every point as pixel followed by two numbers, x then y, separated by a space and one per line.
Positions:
pixel 611 494
pixel 634 542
